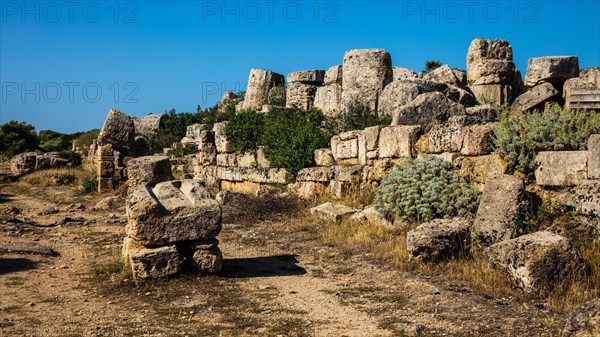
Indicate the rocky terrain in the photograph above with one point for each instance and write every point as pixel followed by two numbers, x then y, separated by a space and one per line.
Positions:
pixel 279 278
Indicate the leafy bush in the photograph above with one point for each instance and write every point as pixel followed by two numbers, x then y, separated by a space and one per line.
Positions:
pixel 73 157
pixel 425 189
pixel 182 151
pixel 245 129
pixel 519 135
pixel 89 184
pixel 17 138
pixel 356 117
pixel 290 137
pixel 277 96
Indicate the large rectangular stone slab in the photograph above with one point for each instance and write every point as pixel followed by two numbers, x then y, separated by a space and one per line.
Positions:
pixel 498 215
pixel 561 168
pixel 166 214
pixel 398 141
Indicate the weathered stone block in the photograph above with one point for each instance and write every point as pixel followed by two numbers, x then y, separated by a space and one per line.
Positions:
pixel 155 262
pixel 477 169
pixel 105 184
pixel 447 75
pixel 365 73
pixel 561 168
pixel 537 261
pixel 439 239
pixel 307 76
pixel 333 212
pixel 499 216
pixel 399 73
pixel 333 75
pixel 490 62
pixel 324 157
pixel 118 130
pixel 207 261
pixel 535 97
pixel 320 174
pixel 309 189
pixel 106 169
pixel 584 321
pixel 300 95
pixel 227 159
pixel 259 83
pixel 594 157
pixel 149 170
pixel 398 141
pixel 351 173
pixel 223 144
pixel 328 99
pixel 552 69
pixel 399 93
pixel 344 149
pixel 477 140
pixel 371 215
pixel 427 110
pixel 247 159
pixel 443 138
pixel 587 197
pixel 166 214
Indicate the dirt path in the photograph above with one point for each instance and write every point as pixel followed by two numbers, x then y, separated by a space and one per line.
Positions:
pixel 278 280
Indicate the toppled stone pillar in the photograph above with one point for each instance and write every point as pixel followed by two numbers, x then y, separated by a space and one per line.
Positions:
pixel 172 228
pixel 259 83
pixel 491 73
pixel 365 73
pixel 302 88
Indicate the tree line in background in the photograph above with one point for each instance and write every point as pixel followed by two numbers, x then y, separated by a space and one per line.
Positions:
pixel 19 137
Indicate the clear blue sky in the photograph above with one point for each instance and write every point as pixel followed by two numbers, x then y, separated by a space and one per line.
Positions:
pixel 150 56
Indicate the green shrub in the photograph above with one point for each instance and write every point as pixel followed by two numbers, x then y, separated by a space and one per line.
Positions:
pixel 73 157
pixel 290 137
pixel 519 135
pixel 356 117
pixel 244 129
pixel 89 184
pixel 183 150
pixel 425 189
pixel 276 96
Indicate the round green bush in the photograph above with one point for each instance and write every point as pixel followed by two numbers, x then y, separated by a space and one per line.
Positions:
pixel 425 189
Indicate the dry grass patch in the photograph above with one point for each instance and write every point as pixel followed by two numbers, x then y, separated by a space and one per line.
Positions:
pixel 389 245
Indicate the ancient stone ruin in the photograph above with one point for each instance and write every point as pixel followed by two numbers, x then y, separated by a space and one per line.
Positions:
pixel 446 113
pixel 173 225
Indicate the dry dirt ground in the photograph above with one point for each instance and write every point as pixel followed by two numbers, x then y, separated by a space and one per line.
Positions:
pixel 278 279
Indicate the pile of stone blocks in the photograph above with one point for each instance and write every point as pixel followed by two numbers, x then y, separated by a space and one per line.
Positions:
pixel 172 228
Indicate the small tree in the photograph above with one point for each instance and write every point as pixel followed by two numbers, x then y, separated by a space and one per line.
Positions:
pixel 431 66
pixel 17 138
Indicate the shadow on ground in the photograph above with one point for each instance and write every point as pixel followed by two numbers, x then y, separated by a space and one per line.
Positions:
pixel 13 265
pixel 265 266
